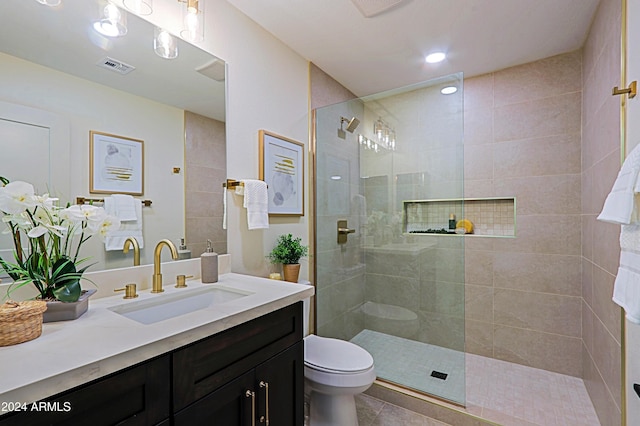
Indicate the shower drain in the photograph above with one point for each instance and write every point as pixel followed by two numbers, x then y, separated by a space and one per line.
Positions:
pixel 439 375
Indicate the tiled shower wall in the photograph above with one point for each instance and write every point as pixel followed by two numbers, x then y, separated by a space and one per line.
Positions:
pixel 522 140
pixel 601 318
pixel 206 170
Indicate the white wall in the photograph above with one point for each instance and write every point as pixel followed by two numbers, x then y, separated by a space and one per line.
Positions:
pixel 267 88
pixel 89 106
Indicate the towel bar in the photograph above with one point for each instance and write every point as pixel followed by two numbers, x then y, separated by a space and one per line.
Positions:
pixel 232 183
pixel 83 200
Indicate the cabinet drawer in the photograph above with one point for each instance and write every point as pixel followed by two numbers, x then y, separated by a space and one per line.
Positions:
pixel 208 364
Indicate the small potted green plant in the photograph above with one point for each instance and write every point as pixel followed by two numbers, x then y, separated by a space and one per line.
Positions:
pixel 288 251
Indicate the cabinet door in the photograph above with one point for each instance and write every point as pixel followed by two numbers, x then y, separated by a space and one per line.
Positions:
pixel 234 404
pixel 136 396
pixel 280 386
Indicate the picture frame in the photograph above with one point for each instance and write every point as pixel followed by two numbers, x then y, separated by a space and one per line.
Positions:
pixel 116 164
pixel 282 168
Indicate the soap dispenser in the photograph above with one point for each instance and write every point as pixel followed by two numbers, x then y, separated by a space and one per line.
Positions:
pixel 183 251
pixel 209 265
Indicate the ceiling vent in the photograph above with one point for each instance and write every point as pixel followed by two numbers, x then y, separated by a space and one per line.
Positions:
pixel 371 8
pixel 213 69
pixel 115 65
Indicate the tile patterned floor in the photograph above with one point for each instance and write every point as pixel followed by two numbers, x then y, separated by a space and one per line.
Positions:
pixel 373 412
pixel 506 393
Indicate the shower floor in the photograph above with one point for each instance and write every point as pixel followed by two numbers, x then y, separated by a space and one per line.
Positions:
pixel 499 391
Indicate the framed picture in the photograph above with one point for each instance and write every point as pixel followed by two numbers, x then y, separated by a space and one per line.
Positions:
pixel 282 168
pixel 116 164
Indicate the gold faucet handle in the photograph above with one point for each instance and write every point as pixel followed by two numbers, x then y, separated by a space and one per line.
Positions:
pixel 129 291
pixel 181 280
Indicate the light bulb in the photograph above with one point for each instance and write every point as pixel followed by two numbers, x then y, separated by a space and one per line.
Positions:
pixel 164 44
pixel 435 57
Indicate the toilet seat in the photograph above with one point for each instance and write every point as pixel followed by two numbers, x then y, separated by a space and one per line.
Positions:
pixel 335 356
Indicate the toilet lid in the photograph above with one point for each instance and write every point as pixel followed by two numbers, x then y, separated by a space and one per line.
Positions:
pixel 335 355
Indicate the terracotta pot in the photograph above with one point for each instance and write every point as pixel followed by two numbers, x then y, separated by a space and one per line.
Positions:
pixel 291 272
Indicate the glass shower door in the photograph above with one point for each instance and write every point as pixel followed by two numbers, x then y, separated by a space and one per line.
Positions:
pixel 387 284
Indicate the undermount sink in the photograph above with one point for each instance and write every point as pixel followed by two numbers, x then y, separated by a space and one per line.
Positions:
pixel 166 306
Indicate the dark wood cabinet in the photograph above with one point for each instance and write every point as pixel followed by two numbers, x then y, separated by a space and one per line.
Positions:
pixel 272 393
pixel 245 375
pixel 139 395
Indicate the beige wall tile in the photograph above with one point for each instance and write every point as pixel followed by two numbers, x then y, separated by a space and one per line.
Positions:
pixel 479 337
pixel 478 92
pixel 478 126
pixel 558 194
pixel 551 155
pixel 541 79
pixel 608 412
pixel 587 281
pixel 478 267
pixel 545 312
pixel 607 358
pixel 538 118
pixel 587 327
pixel 605 309
pixel 548 351
pixel 537 272
pixel 478 303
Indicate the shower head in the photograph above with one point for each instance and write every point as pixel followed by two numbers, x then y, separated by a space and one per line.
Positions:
pixel 351 124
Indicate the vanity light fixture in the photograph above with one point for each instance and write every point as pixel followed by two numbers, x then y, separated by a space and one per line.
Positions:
pixel 449 90
pixel 193 20
pixel 112 22
pixel 434 58
pixel 164 44
pixel 51 3
pixel 139 7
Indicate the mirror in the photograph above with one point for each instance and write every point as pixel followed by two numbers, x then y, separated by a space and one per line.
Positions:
pixel 58 75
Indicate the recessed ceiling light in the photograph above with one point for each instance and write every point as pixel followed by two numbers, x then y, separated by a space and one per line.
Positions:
pixel 435 57
pixel 449 90
pixel 336 177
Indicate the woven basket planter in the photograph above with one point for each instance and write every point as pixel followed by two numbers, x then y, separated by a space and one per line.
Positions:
pixel 20 321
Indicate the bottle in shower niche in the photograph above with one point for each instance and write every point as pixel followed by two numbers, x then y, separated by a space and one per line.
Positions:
pixel 209 265
pixel 183 251
pixel 452 223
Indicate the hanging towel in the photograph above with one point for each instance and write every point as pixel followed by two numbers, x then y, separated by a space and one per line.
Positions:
pixel 626 289
pixel 256 201
pixel 224 208
pixel 130 224
pixel 622 207
pixel 619 205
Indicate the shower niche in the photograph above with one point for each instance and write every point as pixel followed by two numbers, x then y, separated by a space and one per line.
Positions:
pixel 488 217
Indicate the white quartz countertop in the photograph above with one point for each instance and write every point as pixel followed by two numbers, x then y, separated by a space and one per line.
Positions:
pixel 100 342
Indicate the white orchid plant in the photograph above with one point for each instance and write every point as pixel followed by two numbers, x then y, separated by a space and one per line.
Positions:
pixel 49 258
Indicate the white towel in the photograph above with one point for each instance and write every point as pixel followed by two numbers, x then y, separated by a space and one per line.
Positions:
pixel 256 201
pixel 124 206
pixel 128 227
pixel 619 205
pixel 622 206
pixel 626 289
pixel 224 208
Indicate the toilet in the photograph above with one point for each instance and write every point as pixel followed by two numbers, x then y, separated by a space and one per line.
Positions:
pixel 334 372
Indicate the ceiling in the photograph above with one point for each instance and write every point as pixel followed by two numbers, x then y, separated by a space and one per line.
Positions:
pixel 386 51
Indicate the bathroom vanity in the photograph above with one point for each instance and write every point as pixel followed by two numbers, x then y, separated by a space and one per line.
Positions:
pixel 235 362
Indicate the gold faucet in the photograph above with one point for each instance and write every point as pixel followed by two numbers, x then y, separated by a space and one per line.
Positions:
pixel 131 241
pixel 157 276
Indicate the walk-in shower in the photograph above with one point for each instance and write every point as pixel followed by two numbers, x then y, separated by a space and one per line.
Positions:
pixel 389 268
